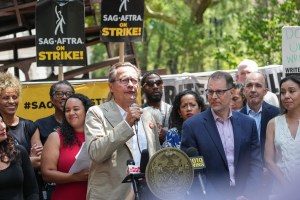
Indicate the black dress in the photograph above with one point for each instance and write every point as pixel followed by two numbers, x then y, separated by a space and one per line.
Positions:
pixel 46 126
pixel 17 181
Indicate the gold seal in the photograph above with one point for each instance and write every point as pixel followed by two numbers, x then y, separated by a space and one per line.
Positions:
pixel 169 174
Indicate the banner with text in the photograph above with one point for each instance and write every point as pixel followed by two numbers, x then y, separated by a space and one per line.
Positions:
pixel 122 20
pixel 60 35
pixel 291 50
pixel 35 100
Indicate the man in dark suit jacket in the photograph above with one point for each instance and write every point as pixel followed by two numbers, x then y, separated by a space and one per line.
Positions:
pixel 262 112
pixel 228 142
pixel 254 91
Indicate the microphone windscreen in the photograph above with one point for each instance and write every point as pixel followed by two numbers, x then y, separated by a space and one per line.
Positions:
pixel 192 152
pixel 130 162
pixel 197 161
pixel 144 160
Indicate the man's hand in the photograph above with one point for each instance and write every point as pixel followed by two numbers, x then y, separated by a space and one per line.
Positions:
pixel 134 113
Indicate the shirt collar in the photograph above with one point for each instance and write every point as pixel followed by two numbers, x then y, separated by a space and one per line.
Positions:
pixel 217 118
pixel 250 110
pixel 122 111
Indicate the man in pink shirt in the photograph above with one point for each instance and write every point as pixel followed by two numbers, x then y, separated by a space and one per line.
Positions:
pixel 228 142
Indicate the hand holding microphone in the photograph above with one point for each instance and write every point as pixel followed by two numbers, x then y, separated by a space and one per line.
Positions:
pixel 134 114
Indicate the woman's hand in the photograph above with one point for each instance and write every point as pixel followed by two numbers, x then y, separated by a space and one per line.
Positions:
pixel 82 175
pixel 36 150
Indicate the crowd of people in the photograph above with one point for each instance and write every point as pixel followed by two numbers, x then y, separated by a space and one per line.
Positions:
pixel 248 137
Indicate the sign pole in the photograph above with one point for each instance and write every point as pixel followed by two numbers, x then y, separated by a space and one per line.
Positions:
pixel 60 72
pixel 121 52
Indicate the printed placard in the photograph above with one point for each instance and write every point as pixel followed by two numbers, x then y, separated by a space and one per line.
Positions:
pixel 122 20
pixel 60 36
pixel 291 50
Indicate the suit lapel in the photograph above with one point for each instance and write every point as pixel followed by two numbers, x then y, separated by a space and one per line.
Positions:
pixel 112 113
pixel 113 116
pixel 149 132
pixel 212 129
pixel 237 130
pixel 265 116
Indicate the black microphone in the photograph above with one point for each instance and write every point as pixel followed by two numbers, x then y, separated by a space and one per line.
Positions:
pixel 137 120
pixel 198 164
pixel 144 160
pixel 132 179
pixel 130 162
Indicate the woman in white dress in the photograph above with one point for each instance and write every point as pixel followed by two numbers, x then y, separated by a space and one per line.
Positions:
pixel 282 148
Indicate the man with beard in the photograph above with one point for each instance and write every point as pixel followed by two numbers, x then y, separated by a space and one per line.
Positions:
pixel 152 87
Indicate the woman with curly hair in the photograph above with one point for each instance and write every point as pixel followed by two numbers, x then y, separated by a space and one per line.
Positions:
pixel 61 148
pixel 17 179
pixel 186 104
pixel 24 131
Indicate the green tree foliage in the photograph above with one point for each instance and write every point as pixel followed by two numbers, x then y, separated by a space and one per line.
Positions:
pixel 176 47
pixel 261 30
pixel 180 39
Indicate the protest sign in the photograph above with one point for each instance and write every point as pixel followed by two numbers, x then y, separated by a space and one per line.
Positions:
pixel 291 50
pixel 122 20
pixel 60 36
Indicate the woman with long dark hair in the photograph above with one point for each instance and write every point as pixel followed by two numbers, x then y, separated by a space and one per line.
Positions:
pixel 186 104
pixel 282 148
pixel 17 179
pixel 61 149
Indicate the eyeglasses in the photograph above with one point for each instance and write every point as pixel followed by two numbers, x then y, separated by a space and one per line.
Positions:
pixel 218 92
pixel 60 94
pixel 151 83
pixel 126 81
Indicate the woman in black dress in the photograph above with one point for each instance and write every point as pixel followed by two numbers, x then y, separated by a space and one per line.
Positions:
pixel 17 179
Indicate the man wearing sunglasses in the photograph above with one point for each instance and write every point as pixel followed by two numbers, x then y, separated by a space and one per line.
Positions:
pixel 152 88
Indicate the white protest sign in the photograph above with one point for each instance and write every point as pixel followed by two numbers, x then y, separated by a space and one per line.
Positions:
pixel 291 50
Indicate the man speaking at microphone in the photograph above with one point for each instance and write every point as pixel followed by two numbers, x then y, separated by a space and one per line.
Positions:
pixel 228 142
pixel 115 132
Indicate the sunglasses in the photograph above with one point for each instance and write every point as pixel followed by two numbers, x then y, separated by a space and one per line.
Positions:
pixel 151 83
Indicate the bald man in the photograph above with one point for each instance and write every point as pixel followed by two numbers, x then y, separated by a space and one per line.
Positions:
pixel 247 66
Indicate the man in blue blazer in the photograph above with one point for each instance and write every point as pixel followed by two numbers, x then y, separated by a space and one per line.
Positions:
pixel 228 142
pixel 262 112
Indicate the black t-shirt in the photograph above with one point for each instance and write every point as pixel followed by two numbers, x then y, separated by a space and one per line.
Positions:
pixel 23 132
pixel 18 181
pixel 46 126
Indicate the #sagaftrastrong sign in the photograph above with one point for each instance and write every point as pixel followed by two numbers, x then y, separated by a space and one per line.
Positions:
pixel 122 20
pixel 60 36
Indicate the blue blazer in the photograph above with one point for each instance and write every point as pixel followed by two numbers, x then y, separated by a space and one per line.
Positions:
pixel 200 131
pixel 268 112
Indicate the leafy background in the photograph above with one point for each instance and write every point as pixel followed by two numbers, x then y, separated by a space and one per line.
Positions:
pixel 205 35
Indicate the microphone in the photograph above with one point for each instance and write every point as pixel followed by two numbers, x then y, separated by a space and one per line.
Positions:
pixel 132 169
pixel 131 178
pixel 130 162
pixel 137 120
pixel 144 160
pixel 198 164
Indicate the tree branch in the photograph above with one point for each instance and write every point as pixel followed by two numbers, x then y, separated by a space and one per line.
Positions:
pixel 157 15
